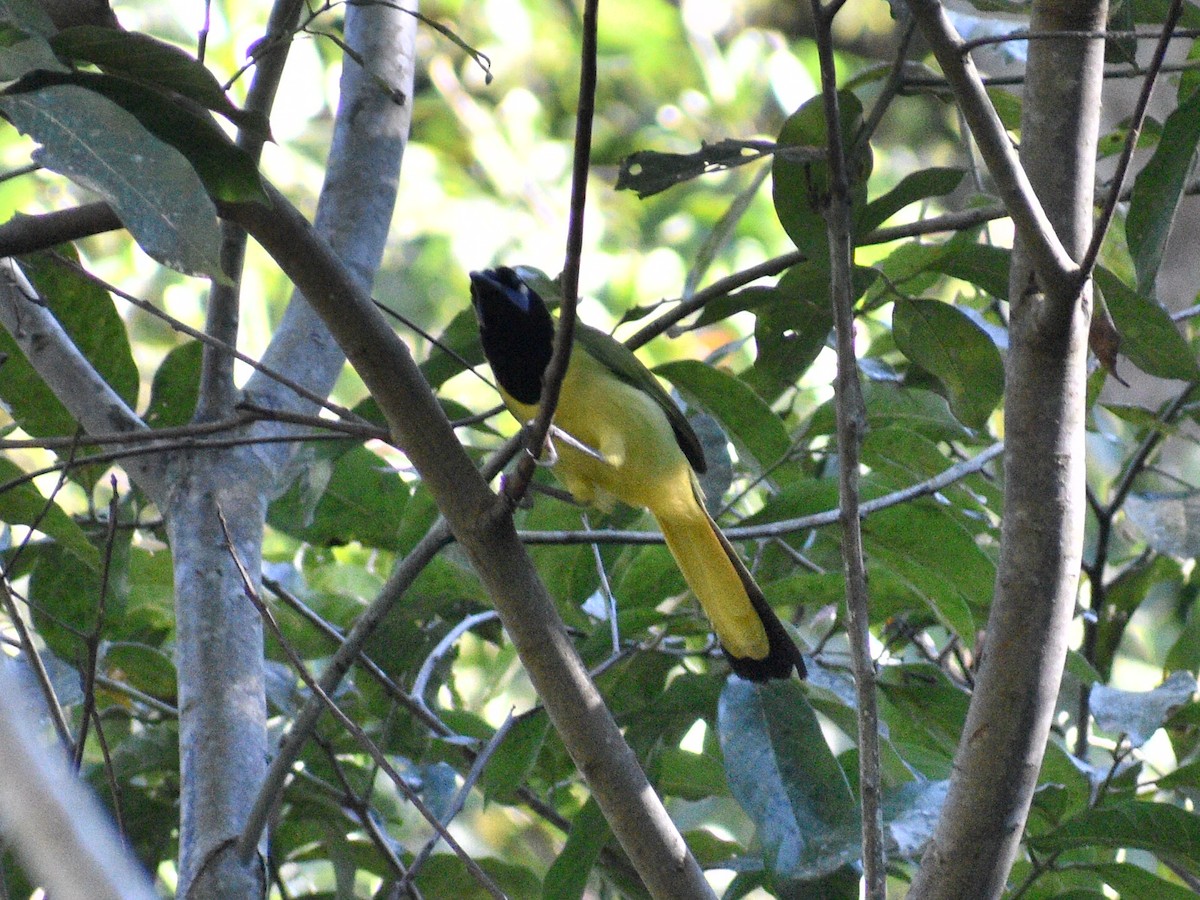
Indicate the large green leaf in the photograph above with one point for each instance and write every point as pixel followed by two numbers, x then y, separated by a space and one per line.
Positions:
pixel 1130 880
pixel 913 188
pixel 343 496
pixel 1159 828
pixel 65 599
pixel 227 171
pixel 87 314
pixel 982 265
pixel 1158 188
pixel 799 187
pixel 515 758
pixel 23 504
pixel 899 457
pixel 924 713
pixel 948 344
pixel 141 57
pixel 1148 336
pixel 922 411
pixel 938 558
pixel 568 874
pixel 790 330
pixel 746 418
pixel 151 185
pixel 782 772
pixel 445 875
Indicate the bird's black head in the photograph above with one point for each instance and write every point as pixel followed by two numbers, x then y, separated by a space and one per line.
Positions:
pixel 516 331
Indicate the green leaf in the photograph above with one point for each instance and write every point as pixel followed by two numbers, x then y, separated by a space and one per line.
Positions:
pixel 913 188
pixel 88 315
pixel 948 344
pixel 790 329
pixel 461 337
pixel 710 851
pixel 1160 828
pixel 984 266
pixel 342 496
pixel 227 171
pixel 1157 190
pixel 515 758
pixel 930 551
pixel 1149 338
pixel 445 875
pixel 25 505
pixel 144 58
pixel 782 772
pixel 1008 108
pixel 924 713
pixel 1186 776
pixel 899 457
pixel 151 186
pixel 1138 714
pixel 746 418
pixel 176 387
pixel 568 874
pixel 1064 787
pixel 1130 880
pixel 692 776
pixel 146 668
pixel 800 187
pixel 922 411
pixel 65 597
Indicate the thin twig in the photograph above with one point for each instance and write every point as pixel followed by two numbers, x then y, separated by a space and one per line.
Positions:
pixel 92 638
pixel 1026 35
pixel 1131 142
pixel 784 527
pixel 34 660
pixel 889 92
pixel 421 682
pixel 302 725
pixel 346 722
pixel 556 370
pixel 851 425
pixel 460 799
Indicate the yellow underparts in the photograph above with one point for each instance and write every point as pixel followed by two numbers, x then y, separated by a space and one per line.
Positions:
pixel 643 467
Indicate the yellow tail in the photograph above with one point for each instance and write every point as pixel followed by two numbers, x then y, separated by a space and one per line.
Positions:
pixel 754 640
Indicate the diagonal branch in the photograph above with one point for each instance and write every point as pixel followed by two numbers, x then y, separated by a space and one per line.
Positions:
pixel 1055 269
pixel 484 528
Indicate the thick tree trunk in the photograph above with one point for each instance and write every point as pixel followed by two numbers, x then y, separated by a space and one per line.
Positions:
pixel 1000 752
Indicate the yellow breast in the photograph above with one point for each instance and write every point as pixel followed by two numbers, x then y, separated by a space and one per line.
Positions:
pixel 643 465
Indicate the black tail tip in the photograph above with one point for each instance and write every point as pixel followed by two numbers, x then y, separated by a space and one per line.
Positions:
pixel 779 663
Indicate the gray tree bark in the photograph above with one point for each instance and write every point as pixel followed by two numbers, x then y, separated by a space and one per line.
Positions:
pixel 1000 751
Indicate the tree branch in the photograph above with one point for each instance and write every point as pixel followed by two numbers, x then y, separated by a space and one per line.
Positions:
pixel 58 828
pixel 484 527
pixel 851 426
pixel 1053 264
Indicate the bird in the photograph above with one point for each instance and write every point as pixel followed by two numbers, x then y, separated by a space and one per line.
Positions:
pixel 622 438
